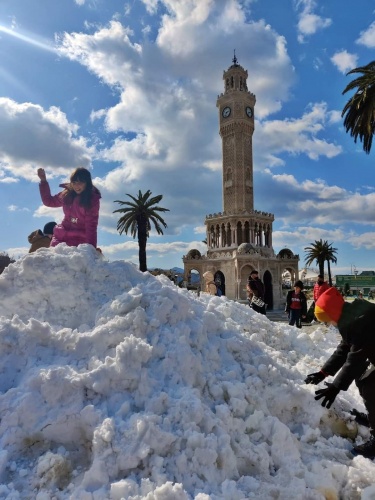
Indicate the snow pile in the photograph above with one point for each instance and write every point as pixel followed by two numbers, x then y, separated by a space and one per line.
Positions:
pixel 115 384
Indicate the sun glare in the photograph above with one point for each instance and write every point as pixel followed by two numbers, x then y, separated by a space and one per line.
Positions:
pixel 44 45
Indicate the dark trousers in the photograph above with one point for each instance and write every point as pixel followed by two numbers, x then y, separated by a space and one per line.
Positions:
pixel 366 387
pixel 295 317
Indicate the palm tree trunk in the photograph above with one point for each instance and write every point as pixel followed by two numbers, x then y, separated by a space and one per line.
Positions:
pixel 321 267
pixel 142 241
pixel 329 273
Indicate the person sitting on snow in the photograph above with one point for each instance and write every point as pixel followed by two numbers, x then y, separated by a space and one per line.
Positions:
pixel 41 239
pixel 353 359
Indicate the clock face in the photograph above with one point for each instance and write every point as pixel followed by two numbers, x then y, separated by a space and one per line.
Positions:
pixel 249 111
pixel 226 112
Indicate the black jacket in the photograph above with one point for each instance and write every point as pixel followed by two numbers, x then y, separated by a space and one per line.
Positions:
pixel 256 288
pixel 357 348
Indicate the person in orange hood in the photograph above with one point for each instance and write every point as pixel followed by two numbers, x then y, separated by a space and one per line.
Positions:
pixel 353 359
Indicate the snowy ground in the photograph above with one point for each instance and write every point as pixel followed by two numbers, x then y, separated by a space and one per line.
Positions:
pixel 116 384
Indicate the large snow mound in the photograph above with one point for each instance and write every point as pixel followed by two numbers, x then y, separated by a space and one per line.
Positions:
pixel 119 385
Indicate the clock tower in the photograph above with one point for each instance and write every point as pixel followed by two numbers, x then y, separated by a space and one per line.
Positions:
pixel 239 239
pixel 236 121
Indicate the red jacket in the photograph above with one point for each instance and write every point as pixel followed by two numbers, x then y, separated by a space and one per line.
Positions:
pixel 319 289
pixel 80 224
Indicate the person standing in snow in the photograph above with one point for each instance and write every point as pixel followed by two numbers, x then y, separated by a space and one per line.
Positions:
pixel 80 201
pixel 296 305
pixel 320 287
pixel 255 292
pixel 41 239
pixel 353 359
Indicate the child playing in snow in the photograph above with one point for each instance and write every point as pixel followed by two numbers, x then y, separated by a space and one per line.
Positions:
pixel 296 305
pixel 353 359
pixel 80 202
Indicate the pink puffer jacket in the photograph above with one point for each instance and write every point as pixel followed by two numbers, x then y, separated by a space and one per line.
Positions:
pixel 80 224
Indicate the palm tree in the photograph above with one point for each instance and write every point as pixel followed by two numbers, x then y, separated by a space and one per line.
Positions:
pixel 320 252
pixel 330 257
pixel 315 253
pixel 360 109
pixel 138 215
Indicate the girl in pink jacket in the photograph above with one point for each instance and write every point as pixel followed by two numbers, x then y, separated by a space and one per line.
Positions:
pixel 80 201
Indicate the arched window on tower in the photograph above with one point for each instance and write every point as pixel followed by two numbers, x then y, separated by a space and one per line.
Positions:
pixel 217 239
pixel 212 237
pixel 239 233
pixel 267 233
pixel 247 232
pixel 228 178
pixel 240 82
pixel 256 234
pixel 232 81
pixel 223 236
pixel 229 235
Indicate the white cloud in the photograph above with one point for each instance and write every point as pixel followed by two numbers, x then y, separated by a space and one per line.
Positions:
pixel 367 37
pixel 172 249
pixel 296 136
pixel 301 236
pixel 344 61
pixel 316 202
pixel 166 119
pixel 15 208
pixel 366 240
pixel 200 230
pixel 32 137
pixel 151 5
pixel 309 22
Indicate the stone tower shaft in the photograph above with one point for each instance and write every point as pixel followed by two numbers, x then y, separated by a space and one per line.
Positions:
pixel 236 128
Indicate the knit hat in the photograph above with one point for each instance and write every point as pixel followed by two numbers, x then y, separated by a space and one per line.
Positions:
pixel 48 228
pixel 299 284
pixel 329 306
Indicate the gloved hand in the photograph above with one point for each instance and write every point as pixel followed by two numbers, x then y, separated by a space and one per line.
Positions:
pixel 328 394
pixel 315 378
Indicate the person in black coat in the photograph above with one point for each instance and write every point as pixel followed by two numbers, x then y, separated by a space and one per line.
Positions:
pixel 255 292
pixel 353 359
pixel 296 305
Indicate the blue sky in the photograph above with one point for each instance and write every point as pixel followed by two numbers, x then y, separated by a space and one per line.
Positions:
pixel 129 90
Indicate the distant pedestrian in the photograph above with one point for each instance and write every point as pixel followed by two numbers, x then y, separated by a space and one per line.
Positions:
pixel 296 305
pixel 210 283
pixel 41 239
pixel 255 292
pixel 320 287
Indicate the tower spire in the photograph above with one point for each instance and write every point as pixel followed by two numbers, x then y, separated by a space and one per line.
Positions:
pixel 235 60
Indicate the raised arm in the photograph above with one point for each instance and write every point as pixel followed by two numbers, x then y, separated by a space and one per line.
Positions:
pixel 45 193
pixel 42 175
